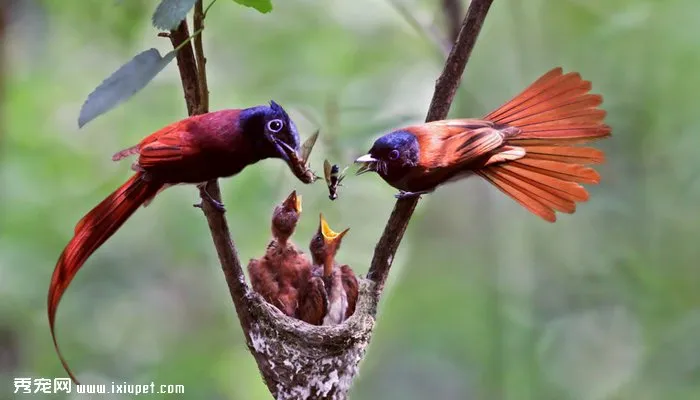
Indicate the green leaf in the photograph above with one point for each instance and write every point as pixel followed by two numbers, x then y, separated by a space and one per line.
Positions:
pixel 264 6
pixel 169 13
pixel 124 83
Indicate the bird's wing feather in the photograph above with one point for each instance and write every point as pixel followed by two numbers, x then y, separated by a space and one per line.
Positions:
pixel 313 302
pixel 470 144
pixel 456 142
pixel 262 279
pixel 166 149
pixel 351 287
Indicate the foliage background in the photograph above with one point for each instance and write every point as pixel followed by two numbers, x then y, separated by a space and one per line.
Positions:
pixel 485 301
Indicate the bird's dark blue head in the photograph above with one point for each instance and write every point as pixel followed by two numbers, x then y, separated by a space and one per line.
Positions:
pixel 272 132
pixel 392 155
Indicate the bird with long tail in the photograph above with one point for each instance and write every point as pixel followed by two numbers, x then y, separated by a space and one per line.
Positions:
pixel 192 151
pixel 526 148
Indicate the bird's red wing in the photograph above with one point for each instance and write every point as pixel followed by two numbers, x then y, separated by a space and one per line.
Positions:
pixel 470 145
pixel 458 141
pixel 168 149
pixel 351 288
pixel 174 127
pixel 450 143
pixel 262 279
pixel 313 302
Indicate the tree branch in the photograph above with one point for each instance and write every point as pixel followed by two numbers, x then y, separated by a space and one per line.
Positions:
pixel 198 22
pixel 445 89
pixel 193 76
pixel 187 66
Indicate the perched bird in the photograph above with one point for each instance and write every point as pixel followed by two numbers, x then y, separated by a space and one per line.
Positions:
pixel 194 150
pixel 278 274
pixel 524 148
pixel 330 294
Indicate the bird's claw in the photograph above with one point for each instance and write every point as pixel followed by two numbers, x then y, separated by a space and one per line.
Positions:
pixel 219 206
pixel 407 195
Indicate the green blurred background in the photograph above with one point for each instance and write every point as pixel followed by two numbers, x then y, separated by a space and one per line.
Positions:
pixel 485 301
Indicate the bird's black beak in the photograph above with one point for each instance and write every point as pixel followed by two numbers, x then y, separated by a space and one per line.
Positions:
pixel 283 149
pixel 368 164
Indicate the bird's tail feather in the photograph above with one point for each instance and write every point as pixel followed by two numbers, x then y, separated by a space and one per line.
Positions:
pixel 550 116
pixel 90 233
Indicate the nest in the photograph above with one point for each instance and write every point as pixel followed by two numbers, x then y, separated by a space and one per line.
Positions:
pixel 303 361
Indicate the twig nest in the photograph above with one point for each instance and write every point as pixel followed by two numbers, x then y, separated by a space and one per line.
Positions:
pixel 303 361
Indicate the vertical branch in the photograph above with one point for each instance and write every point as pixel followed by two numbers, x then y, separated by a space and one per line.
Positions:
pixel 187 67
pixel 198 22
pixel 194 87
pixel 445 89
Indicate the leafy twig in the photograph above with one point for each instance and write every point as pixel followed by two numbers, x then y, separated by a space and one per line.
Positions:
pixel 445 89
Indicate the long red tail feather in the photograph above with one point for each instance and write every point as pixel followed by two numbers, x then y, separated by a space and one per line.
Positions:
pixel 90 233
pixel 551 115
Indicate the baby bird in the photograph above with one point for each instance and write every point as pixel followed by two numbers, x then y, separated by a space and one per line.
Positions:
pixel 329 296
pixel 277 275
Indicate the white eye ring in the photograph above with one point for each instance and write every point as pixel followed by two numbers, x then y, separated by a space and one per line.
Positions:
pixel 394 154
pixel 275 125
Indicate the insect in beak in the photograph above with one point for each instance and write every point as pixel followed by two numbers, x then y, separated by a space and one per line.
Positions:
pixel 369 164
pixel 299 163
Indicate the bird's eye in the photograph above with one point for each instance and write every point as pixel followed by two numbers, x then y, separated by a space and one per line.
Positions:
pixel 275 125
pixel 394 154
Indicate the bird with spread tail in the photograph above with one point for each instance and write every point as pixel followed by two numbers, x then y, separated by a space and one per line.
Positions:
pixel 526 148
pixel 194 150
pixel 278 274
pixel 329 295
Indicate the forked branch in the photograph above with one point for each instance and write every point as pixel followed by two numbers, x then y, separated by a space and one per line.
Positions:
pixel 297 360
